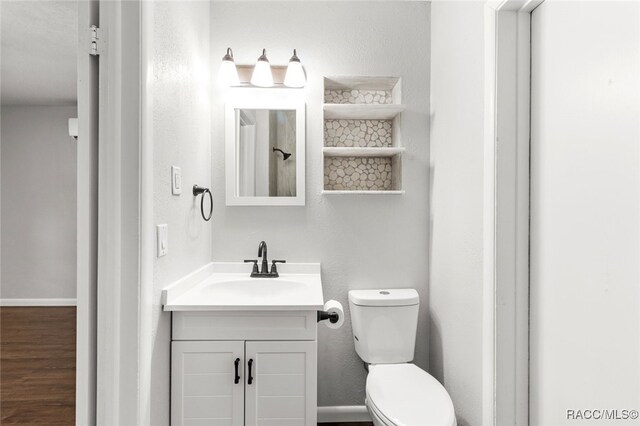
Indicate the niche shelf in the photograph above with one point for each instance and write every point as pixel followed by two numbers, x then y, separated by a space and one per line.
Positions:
pixel 362 147
pixel 362 111
pixel 362 152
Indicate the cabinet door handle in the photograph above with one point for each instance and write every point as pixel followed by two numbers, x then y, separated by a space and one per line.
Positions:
pixel 237 363
pixel 250 379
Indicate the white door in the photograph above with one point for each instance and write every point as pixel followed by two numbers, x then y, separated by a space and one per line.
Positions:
pixel 281 388
pixel 205 388
pixel 585 213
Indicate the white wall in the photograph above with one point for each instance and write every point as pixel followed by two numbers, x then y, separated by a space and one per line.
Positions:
pixel 362 241
pixel 585 210
pixel 178 125
pixel 457 170
pixel 38 203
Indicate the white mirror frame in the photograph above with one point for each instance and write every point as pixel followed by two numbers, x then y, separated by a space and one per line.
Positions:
pixel 231 157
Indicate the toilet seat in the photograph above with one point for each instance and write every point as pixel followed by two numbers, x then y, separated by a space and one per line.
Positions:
pixel 406 395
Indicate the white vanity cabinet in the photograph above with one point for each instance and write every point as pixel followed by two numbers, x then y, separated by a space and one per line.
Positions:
pixel 267 327
pixel 283 389
pixel 203 388
pixel 276 357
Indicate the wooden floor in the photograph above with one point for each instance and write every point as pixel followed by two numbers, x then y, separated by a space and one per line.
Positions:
pixel 37 365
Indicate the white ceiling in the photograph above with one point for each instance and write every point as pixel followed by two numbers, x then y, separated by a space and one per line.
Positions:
pixel 38 52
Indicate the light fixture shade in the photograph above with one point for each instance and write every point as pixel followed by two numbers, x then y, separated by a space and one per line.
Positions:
pixel 228 70
pixel 262 76
pixel 295 76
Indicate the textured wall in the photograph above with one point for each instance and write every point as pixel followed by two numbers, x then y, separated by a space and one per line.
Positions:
pixel 362 241
pixel 357 173
pixel 178 91
pixel 353 96
pixel 38 203
pixel 457 132
pixel 359 133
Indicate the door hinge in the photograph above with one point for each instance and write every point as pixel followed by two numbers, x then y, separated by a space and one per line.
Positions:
pixel 95 41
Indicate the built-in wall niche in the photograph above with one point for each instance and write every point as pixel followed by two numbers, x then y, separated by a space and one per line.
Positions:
pixel 362 143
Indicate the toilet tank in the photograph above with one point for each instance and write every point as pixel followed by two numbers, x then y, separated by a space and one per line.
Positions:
pixel 384 324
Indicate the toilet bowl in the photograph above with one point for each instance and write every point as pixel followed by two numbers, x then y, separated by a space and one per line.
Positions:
pixel 406 395
pixel 398 393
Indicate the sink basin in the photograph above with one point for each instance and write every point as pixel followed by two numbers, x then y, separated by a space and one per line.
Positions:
pixel 254 289
pixel 227 286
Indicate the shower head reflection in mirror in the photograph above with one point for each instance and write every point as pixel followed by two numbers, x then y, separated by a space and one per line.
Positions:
pixel 265 154
pixel 285 155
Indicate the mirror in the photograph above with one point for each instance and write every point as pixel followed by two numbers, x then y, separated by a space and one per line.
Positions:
pixel 265 154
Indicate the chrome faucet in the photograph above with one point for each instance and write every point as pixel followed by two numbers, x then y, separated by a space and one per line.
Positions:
pixel 264 270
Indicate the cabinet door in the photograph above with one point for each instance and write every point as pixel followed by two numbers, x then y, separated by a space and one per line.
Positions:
pixel 203 388
pixel 283 388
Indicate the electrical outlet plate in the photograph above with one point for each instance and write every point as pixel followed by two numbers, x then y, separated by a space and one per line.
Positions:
pixel 163 239
pixel 176 180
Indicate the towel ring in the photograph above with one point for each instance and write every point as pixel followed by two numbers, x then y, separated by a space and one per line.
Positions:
pixel 198 190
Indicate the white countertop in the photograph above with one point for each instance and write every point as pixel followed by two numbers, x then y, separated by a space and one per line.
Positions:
pixel 222 286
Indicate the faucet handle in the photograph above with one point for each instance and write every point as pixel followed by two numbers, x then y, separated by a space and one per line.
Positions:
pixel 274 269
pixel 255 265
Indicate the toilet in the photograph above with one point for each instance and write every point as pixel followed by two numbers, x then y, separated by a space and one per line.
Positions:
pixel 398 393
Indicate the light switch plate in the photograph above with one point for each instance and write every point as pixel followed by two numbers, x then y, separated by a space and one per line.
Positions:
pixel 163 239
pixel 176 180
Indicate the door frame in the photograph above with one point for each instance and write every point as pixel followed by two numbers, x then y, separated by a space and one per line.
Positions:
pixel 118 323
pixel 87 217
pixel 506 212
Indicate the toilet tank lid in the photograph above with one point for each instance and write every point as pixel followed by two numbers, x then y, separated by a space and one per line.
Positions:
pixel 384 297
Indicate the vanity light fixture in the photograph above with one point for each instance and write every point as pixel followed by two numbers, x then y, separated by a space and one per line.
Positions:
pixel 228 70
pixel 295 73
pixel 262 76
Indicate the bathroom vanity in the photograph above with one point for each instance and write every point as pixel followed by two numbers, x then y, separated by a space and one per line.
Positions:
pixel 244 350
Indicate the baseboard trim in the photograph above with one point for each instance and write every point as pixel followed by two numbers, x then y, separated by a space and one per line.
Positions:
pixel 343 414
pixel 38 302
